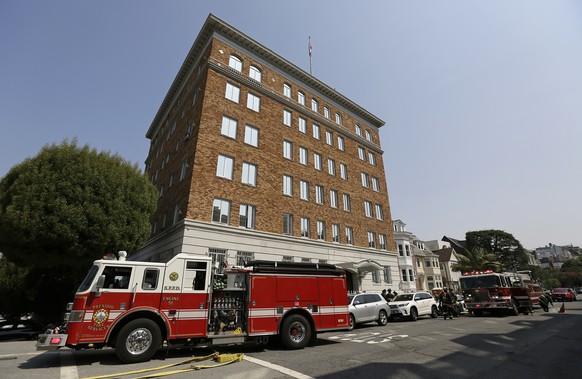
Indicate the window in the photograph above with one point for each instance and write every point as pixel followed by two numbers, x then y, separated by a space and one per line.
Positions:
pixel 177 212
pixel 338 118
pixel 331 166
pixel 253 102
pixel 326 111
pixel 183 170
pixel 316 132
pixel 302 125
pixel 244 256
pixel 303 156
pixel 375 184
pixel 372 158
pixel 314 105
pixel 382 241
pixel 286 117
pixel 379 212
pixel 218 257
pixel 304 190
pixel 287 185
pixel 150 279
pixel 387 274
pixel 287 258
pixel 317 161
pixel 349 235
pixel 287 224
pixel 235 63
pixel 404 276
pixel 333 198
pixel 321 230
pixel 221 211
pixel 410 275
pixel 365 182
pixel 247 216
pixel 286 90
pixel 301 98
pixel 249 174
pixel 116 277
pixel 335 233
pixel 341 143
pixel 368 208
pixel 287 150
pixel 306 260
pixel 361 153
pixel 228 127
pixel 376 276
pixel 347 202
pixel 368 135
pixel 328 138
pixel 401 250
pixel 319 194
pixel 255 73
pixel 251 136
pixel 407 249
pixel 358 130
pixel 344 171
pixel 305 227
pixel 232 92
pixel 224 166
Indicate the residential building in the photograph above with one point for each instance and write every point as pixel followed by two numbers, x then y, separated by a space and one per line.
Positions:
pixel 406 260
pixel 254 158
pixel 428 271
pixel 554 256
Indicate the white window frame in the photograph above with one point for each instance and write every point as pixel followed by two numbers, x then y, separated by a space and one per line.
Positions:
pixel 382 244
pixel 344 171
pixel 333 198
pixel 341 143
pixel 287 149
pixel 253 102
pixel 287 224
pixel 303 156
pixel 232 92
pixel 375 184
pixel 358 130
pixel 365 180
pixel 251 136
pixel 223 207
pixel 302 124
pixel 368 136
pixel 287 117
pixel 287 90
pixel 319 195
pixel 304 190
pixel 316 132
pixel 314 105
pixel 347 202
pixel 249 174
pixel 228 127
pixel 372 240
pixel 331 166
pixel 255 73
pixel 301 98
pixel 287 185
pixel 317 161
pixel 349 235
pixel 372 158
pixel 329 138
pixel 321 230
pixel 326 112
pixel 305 228
pixel 361 153
pixel 338 118
pixel 224 166
pixel 235 63
pixel 368 208
pixel 335 233
pixel 379 212
pixel 247 212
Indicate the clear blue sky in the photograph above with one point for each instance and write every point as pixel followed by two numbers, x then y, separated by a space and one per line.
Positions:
pixel 482 99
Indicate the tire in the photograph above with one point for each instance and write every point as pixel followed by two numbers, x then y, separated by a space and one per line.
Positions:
pixel 296 332
pixel 352 322
pixel 382 318
pixel 138 341
pixel 413 314
pixel 478 312
pixel 434 312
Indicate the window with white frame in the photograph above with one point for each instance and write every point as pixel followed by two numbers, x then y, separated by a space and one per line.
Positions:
pixel 251 136
pixel 333 198
pixel 287 117
pixel 368 208
pixel 358 130
pixel 302 125
pixel 183 170
pixel 319 194
pixel 401 250
pixel 361 153
pixel 320 230
pixel 287 258
pixel 314 105
pixel 232 92
pixel 305 227
pixel 341 143
pixel 255 73
pixel 247 216
pixel 328 138
pixel 249 174
pixel 365 181
pixel 372 158
pixel 330 166
pixel 303 156
pixel 287 150
pixel 326 111
pixel 287 90
pixel 218 256
pixel 404 275
pixel 347 202
pixel 375 184
pixel 306 260
pixel 344 171
pixel 221 211
pixel 235 63
pixel 287 185
pixel 411 275
pixel 368 135
pixel 244 256
pixel 387 275
pixel 177 213
pixel 407 250
pixel 317 161
pixel 253 102
pixel 304 190
pixel 335 233
pixel 301 98
pixel 228 127
pixel 376 278
pixel 379 212
pixel 316 131
pixel 349 235
pixel 287 224
pixel 224 166
pixel 338 118
pixel 382 241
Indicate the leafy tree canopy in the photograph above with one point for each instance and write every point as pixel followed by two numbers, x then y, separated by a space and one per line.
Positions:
pixel 477 259
pixel 508 250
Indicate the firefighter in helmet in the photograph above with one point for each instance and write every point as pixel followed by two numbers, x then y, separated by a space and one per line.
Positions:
pixel 446 302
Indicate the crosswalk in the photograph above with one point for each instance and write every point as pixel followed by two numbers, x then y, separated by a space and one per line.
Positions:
pixel 367 337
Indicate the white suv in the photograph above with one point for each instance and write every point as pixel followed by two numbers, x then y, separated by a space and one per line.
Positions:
pixel 413 305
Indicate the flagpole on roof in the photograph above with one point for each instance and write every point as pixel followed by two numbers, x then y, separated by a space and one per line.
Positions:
pixel 309 49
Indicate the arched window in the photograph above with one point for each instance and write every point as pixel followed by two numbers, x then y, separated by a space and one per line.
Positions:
pixel 287 90
pixel 235 63
pixel 255 73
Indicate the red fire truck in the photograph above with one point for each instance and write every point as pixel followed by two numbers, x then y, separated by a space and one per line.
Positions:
pixel 135 307
pixel 495 292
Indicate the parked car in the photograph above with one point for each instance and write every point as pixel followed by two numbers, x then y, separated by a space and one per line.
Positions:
pixel 367 307
pixel 578 290
pixel 413 305
pixel 563 294
pixel 20 330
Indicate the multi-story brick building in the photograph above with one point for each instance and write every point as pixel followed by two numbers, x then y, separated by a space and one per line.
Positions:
pixel 256 159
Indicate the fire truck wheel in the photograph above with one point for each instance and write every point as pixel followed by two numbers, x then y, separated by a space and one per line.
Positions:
pixel 434 312
pixel 138 341
pixel 296 332
pixel 382 318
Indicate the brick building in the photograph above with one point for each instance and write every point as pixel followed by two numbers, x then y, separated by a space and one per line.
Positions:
pixel 256 159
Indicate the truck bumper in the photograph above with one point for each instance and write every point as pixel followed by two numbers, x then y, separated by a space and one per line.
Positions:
pixel 51 341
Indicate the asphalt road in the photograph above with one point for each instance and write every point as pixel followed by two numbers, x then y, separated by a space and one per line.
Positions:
pixel 543 345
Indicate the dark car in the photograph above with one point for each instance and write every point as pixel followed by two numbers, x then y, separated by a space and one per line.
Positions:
pixel 563 294
pixel 20 330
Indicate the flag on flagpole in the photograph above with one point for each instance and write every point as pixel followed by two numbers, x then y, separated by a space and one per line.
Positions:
pixel 309 46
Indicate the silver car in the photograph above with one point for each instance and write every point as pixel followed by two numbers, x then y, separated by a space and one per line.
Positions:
pixel 367 307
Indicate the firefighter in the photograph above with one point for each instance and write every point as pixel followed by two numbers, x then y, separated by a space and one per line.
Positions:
pixel 446 302
pixel 545 302
pixel 389 295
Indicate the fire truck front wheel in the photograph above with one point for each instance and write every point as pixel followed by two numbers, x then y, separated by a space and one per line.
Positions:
pixel 296 332
pixel 138 341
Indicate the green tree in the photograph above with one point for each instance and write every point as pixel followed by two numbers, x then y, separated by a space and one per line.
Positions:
pixel 15 295
pixel 66 207
pixel 508 250
pixel 476 259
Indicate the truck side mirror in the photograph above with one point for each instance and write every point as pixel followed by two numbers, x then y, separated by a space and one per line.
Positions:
pixel 99 285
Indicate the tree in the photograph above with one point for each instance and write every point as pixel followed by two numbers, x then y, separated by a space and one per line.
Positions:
pixel 15 296
pixel 477 259
pixel 508 250
pixel 66 207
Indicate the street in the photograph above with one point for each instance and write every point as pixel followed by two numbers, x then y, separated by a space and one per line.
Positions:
pixel 543 345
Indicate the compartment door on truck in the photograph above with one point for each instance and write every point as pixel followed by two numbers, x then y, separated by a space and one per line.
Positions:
pixel 263 318
pixel 333 309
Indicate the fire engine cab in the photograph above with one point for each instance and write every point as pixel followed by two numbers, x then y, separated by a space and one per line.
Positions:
pixel 494 292
pixel 135 307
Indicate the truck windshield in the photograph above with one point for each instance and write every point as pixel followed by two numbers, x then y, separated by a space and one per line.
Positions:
pixel 482 281
pixel 88 279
